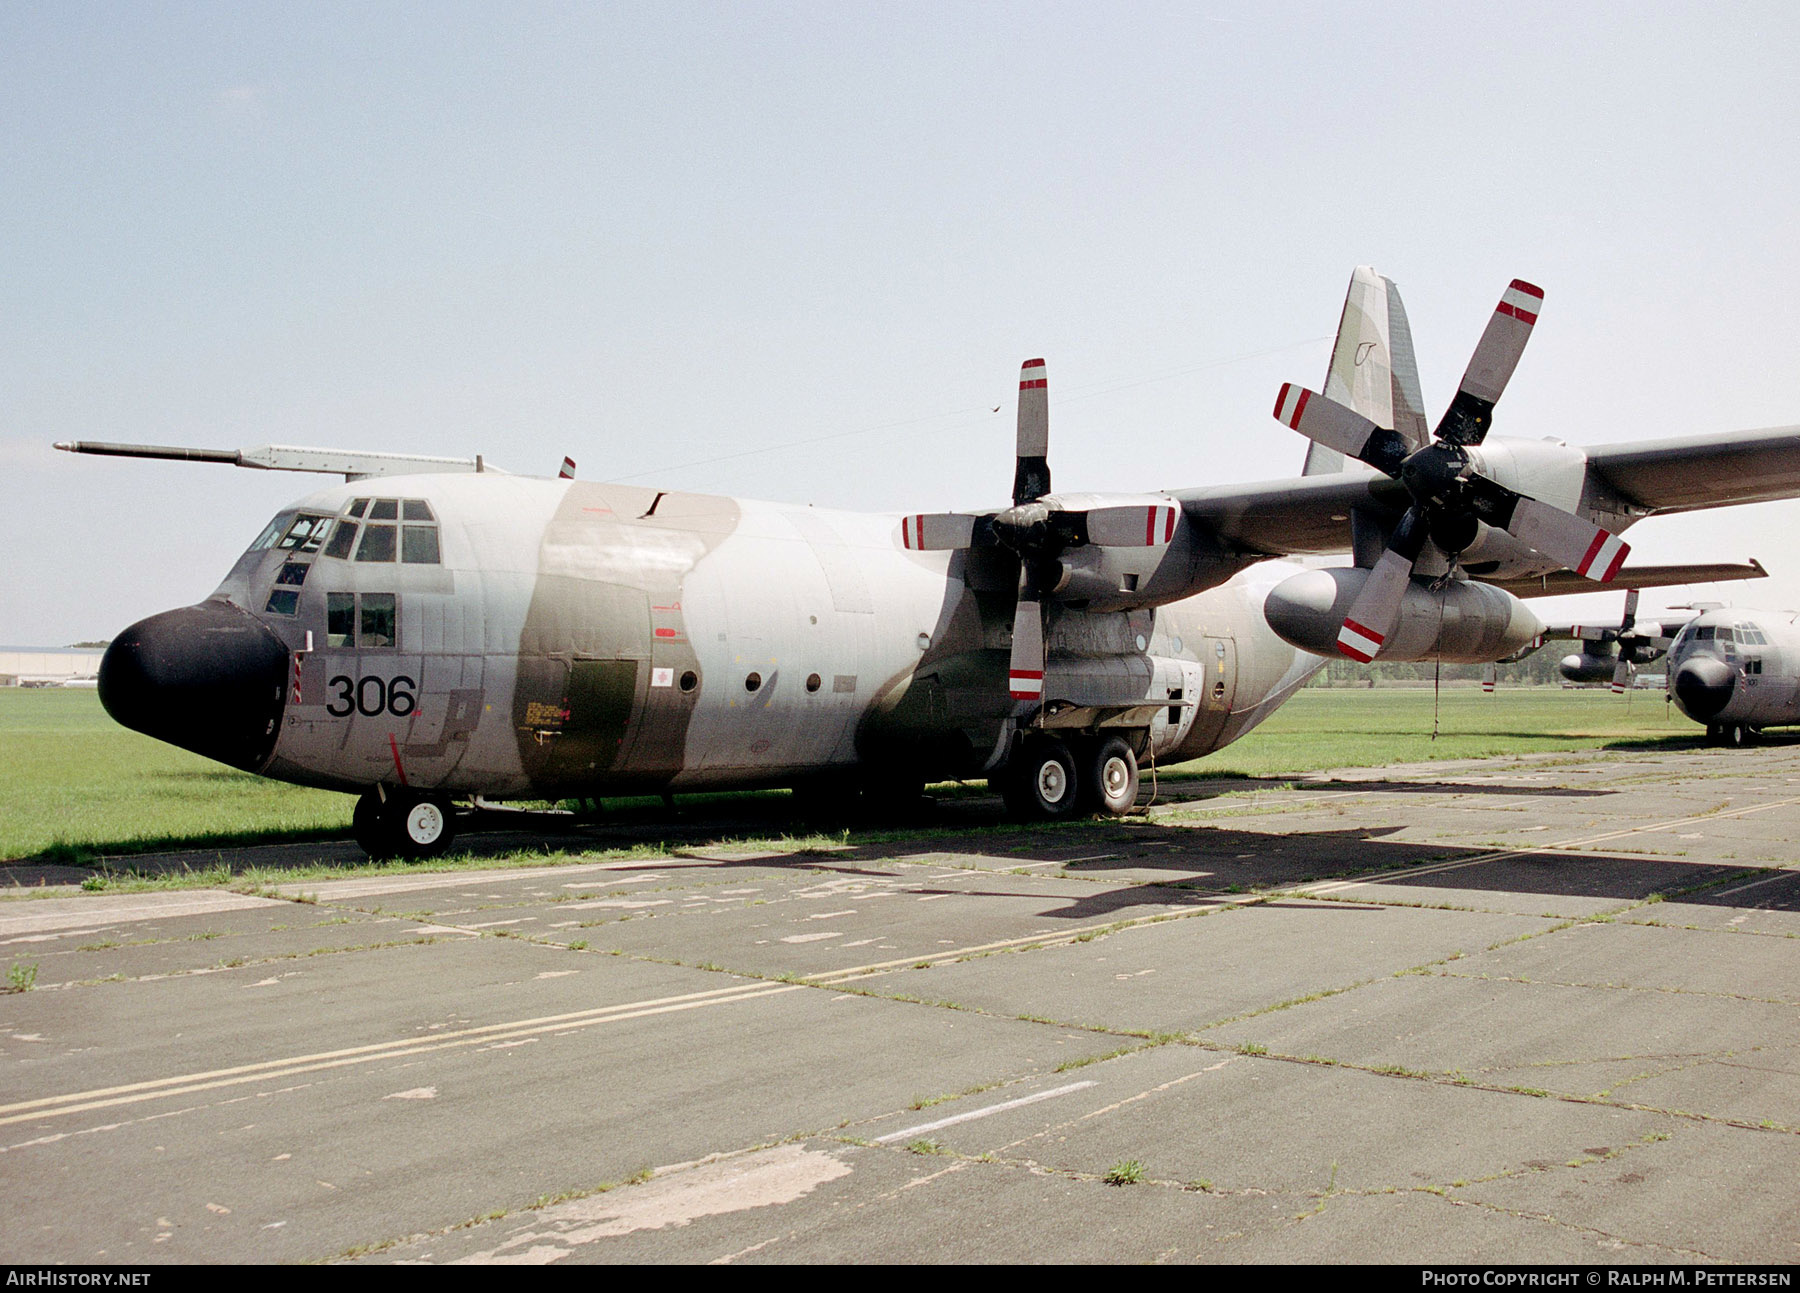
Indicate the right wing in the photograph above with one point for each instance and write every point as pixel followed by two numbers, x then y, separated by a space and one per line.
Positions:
pixel 1688 473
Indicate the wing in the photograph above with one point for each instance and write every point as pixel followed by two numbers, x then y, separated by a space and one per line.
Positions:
pixel 1306 516
pixel 1567 581
pixel 1694 472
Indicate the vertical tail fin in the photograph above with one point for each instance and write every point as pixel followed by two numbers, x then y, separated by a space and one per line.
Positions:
pixel 1372 366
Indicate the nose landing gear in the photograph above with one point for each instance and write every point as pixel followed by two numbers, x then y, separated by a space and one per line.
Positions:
pixel 397 824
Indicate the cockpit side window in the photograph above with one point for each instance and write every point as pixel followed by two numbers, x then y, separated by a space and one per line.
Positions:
pixel 377 626
pixel 307 532
pixel 271 532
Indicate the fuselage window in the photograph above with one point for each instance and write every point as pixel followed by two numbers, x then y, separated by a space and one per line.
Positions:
pixel 306 533
pixel 292 572
pixel 384 509
pixel 360 506
pixel 340 619
pixel 378 541
pixel 283 601
pixel 377 625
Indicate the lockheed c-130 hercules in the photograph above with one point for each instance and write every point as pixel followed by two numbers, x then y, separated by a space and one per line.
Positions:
pixel 434 630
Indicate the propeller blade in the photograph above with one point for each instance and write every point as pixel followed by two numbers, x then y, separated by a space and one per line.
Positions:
pixel 1622 672
pixel 1562 536
pixel 1491 366
pixel 1031 478
pixel 568 469
pixel 1630 618
pixel 1138 526
pixel 1489 676
pixel 1025 674
pixel 1326 422
pixel 1377 607
pixel 936 531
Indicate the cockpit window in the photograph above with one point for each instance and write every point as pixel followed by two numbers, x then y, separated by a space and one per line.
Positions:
pixel 271 532
pixel 384 538
pixel 419 545
pixel 342 539
pixel 377 543
pixel 307 532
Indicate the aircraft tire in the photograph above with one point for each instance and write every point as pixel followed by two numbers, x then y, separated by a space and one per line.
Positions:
pixel 1042 782
pixel 412 827
pixel 1111 780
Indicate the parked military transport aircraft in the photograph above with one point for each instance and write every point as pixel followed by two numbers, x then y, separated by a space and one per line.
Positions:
pixel 434 630
pixel 1737 671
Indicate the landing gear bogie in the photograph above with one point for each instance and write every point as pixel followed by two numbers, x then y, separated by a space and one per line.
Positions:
pixel 1049 779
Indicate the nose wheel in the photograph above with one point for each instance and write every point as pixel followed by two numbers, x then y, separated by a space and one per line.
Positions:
pixel 401 825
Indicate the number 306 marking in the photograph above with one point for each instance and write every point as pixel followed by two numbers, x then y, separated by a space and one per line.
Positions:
pixel 372 696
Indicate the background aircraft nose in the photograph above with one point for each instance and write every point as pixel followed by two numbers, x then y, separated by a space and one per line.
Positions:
pixel 208 678
pixel 1703 687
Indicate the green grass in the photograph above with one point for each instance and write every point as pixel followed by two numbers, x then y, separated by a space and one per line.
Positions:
pixel 73 784
pixel 1343 727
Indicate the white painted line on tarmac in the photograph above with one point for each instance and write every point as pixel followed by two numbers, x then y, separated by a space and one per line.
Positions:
pixel 922 1128
pixel 405 1047
pixel 1768 879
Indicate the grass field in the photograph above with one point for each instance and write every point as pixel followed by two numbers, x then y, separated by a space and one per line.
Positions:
pixel 74 783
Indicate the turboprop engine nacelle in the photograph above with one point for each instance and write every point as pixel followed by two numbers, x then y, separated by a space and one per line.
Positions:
pixel 1462 622
pixel 1588 668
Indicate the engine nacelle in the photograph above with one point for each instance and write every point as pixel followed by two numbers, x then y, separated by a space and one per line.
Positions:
pixel 1461 623
pixel 1588 668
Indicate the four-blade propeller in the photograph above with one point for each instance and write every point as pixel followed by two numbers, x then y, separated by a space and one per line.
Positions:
pixel 1451 497
pixel 1039 529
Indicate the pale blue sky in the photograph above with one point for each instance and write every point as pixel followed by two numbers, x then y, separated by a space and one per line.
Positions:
pixel 660 234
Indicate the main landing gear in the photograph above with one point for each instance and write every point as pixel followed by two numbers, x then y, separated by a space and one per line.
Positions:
pixel 399 824
pixel 1730 734
pixel 1049 779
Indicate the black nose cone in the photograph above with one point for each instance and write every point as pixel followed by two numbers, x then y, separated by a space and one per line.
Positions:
pixel 1703 687
pixel 208 678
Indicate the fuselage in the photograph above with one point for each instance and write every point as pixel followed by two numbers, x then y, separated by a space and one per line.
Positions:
pixel 502 636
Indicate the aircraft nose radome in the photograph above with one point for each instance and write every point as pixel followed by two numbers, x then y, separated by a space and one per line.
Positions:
pixel 208 678
pixel 1703 687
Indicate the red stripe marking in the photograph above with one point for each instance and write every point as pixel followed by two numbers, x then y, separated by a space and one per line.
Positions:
pixel 1039 384
pixel 668 633
pixel 1169 526
pixel 1521 315
pixel 1028 673
pixel 1367 632
pixel 1530 289
pixel 1281 398
pixel 395 747
pixel 1592 552
pixel 1149 526
pixel 1300 409
pixel 1617 561
pixel 1354 654
pixel 906 531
